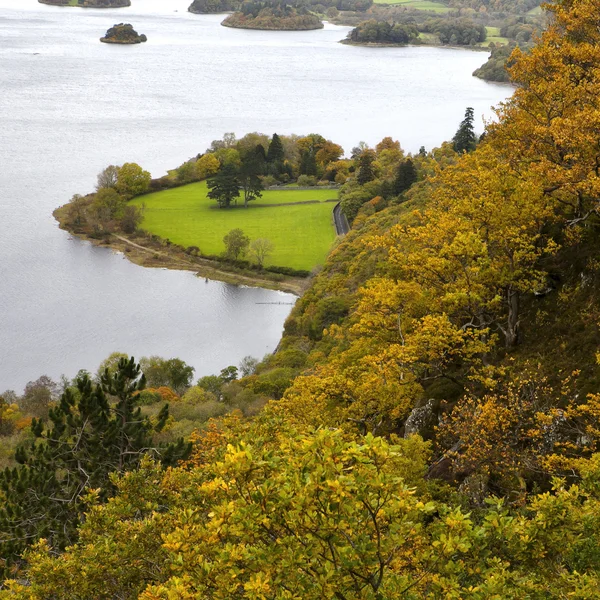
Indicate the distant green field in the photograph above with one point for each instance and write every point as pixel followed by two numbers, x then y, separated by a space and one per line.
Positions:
pixel 418 4
pixel 301 233
pixel 535 11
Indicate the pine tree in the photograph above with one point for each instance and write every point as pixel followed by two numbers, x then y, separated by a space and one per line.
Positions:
pixel 308 163
pixel 224 186
pixel 249 174
pixel 464 139
pixel 276 153
pixel 406 175
pixel 365 167
pixel 94 431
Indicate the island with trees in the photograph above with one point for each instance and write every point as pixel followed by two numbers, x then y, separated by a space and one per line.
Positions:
pixel 201 7
pixel 429 424
pixel 382 33
pixel 279 16
pixel 89 3
pixel 123 33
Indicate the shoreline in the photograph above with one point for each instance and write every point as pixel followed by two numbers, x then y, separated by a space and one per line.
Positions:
pixel 164 258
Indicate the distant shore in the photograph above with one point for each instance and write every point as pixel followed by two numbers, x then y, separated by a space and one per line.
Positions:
pixel 88 3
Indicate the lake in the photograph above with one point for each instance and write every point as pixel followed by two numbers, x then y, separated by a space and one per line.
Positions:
pixel 71 105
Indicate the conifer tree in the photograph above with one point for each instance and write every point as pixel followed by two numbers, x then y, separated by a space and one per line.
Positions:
pixel 365 167
pixel 224 186
pixel 406 175
pixel 308 163
pixel 276 153
pixel 93 431
pixel 464 139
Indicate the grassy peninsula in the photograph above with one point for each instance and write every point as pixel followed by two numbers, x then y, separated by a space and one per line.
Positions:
pixel 298 223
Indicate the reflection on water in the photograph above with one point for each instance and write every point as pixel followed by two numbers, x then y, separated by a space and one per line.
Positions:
pixel 71 105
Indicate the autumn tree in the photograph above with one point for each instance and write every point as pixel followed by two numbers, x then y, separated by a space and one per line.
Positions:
pixel 260 249
pixel 108 178
pixel 207 166
pixel 236 243
pixel 132 180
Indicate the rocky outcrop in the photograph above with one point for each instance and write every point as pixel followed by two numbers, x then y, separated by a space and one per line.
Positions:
pixel 123 33
pixel 89 3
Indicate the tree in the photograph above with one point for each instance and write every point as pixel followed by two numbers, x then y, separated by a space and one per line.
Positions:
pixel 365 167
pixel 108 177
pixel 107 208
pixel 260 249
pixel 132 180
pixel 39 396
pixel 464 139
pixel 308 163
pixel 87 438
pixel 229 374
pixel 328 152
pixel 131 218
pixel 275 153
pixel 78 207
pixel 224 186
pixel 406 175
pixel 252 166
pixel 172 372
pixel 236 243
pixel 248 365
pixel 207 166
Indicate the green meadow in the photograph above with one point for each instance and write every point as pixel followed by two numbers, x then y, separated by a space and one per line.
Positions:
pixel 299 223
pixel 418 4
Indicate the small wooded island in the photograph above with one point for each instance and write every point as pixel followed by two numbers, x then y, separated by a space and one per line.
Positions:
pixel 258 15
pixel 123 33
pixel 89 3
pixel 202 7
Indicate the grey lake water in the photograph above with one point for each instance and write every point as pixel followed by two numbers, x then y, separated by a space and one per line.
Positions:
pixel 70 105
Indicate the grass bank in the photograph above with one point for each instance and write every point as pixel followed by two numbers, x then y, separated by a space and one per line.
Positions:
pixel 437 7
pixel 299 223
pixel 147 252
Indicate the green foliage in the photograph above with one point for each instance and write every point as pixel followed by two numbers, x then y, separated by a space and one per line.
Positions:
pixel 224 187
pixel 273 15
pixel 494 69
pixel 88 437
pixel 173 373
pixel 383 32
pixel 236 243
pixel 456 32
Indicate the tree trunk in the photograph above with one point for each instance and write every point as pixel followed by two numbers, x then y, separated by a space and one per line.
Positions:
pixel 512 325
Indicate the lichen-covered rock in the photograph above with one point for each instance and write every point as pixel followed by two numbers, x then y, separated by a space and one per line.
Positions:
pixel 422 420
pixel 123 33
